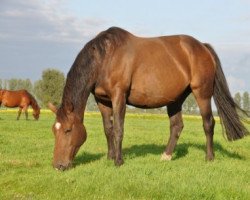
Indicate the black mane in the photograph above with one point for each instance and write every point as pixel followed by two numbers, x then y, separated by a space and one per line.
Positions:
pixel 34 103
pixel 77 87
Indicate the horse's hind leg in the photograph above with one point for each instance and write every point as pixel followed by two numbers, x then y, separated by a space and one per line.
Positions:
pixel 176 126
pixel 19 113
pixel 106 111
pixel 204 103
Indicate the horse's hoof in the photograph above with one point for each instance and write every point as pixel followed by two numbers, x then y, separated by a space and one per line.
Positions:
pixel 119 162
pixel 209 158
pixel 164 157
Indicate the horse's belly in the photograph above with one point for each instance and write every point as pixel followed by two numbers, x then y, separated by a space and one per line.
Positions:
pixel 11 102
pixel 154 98
pixel 157 86
pixel 145 101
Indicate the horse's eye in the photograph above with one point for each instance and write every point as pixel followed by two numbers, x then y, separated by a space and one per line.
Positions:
pixel 67 130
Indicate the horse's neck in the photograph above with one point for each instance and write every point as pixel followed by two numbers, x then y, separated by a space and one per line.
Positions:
pixel 75 97
pixel 80 81
pixel 77 90
pixel 80 106
pixel 34 104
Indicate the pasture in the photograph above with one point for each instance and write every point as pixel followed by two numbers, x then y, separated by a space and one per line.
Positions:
pixel 26 149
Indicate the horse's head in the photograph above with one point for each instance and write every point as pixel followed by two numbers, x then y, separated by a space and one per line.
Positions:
pixel 36 113
pixel 69 134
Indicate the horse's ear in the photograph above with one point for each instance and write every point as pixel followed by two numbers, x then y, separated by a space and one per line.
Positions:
pixel 52 107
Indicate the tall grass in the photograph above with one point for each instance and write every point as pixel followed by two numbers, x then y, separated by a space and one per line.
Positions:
pixel 26 149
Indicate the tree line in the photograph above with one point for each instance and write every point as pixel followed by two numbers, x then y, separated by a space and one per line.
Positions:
pixel 50 88
pixel 243 100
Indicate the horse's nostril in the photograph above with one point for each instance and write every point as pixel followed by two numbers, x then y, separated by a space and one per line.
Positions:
pixel 62 168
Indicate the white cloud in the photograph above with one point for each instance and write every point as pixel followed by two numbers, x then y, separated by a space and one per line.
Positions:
pixel 35 35
pixel 46 21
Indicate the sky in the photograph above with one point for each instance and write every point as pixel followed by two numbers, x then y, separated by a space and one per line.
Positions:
pixel 40 34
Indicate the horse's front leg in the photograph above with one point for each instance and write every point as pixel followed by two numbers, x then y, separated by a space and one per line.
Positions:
pixel 106 111
pixel 25 109
pixel 119 109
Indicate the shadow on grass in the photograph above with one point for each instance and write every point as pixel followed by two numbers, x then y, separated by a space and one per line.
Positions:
pixel 142 150
pixel 218 149
pixel 180 151
pixel 86 157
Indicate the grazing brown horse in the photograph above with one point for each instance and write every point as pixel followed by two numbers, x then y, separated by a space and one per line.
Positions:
pixel 22 99
pixel 120 68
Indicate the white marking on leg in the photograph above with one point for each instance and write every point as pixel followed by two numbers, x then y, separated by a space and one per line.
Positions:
pixel 164 156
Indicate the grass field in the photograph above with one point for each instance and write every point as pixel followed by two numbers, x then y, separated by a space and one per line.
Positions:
pixel 26 154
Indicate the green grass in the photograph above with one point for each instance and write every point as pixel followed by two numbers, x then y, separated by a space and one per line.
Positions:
pixel 26 149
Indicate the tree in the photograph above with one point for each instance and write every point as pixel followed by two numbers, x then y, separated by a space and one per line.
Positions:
pixel 5 84
pixel 13 84
pixel 1 84
pixel 190 105
pixel 237 99
pixel 38 91
pixel 20 84
pixel 27 85
pixel 50 87
pixel 246 101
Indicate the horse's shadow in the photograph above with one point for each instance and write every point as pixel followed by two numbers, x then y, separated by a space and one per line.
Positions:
pixel 142 150
pixel 86 157
pixel 219 150
pixel 180 151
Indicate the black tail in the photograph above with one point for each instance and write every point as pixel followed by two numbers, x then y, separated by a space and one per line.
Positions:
pixel 227 108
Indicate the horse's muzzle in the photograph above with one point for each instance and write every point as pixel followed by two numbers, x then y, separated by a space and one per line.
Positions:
pixel 62 167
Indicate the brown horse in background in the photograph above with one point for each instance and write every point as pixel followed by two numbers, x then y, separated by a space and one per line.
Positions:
pixel 120 68
pixel 22 99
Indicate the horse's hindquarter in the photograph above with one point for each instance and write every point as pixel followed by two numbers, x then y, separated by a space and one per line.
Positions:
pixel 161 72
